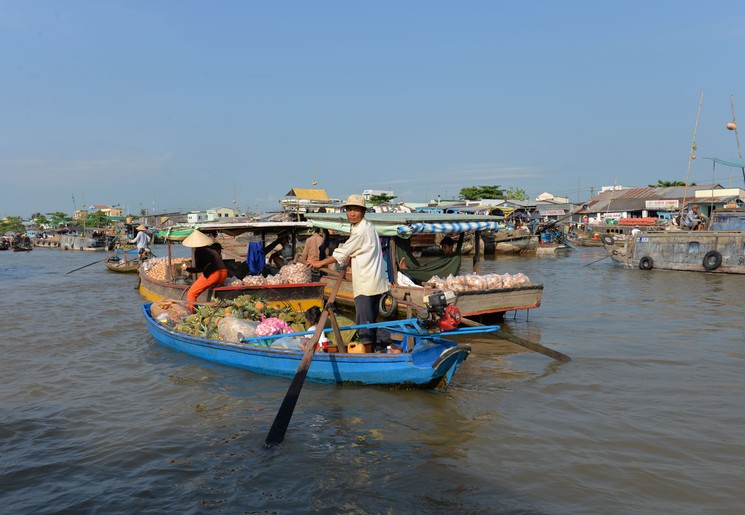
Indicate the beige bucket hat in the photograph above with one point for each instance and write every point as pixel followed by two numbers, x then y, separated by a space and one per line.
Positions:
pixel 141 228
pixel 355 200
pixel 197 239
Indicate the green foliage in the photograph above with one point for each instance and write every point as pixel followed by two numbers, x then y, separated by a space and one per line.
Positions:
pixel 97 219
pixel 12 224
pixel 40 219
pixel 58 218
pixel 668 184
pixel 204 322
pixel 516 194
pixel 382 198
pixel 481 192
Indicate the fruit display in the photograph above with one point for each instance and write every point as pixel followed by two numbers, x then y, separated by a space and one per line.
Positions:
pixel 204 321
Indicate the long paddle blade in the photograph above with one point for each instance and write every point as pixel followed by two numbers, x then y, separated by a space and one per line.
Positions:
pixel 85 266
pixel 534 346
pixel 282 420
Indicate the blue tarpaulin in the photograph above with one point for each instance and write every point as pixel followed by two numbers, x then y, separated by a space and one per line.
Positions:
pixel 447 227
pixel 728 162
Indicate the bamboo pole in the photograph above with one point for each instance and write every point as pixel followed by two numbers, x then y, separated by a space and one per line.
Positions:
pixel 691 156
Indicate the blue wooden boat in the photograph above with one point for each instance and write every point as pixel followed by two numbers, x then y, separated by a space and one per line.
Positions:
pixel 427 360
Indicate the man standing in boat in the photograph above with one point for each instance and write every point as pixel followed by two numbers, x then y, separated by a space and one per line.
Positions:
pixel 369 281
pixel 142 240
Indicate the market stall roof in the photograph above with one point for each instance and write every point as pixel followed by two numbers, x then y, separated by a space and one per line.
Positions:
pixel 308 194
pixel 405 224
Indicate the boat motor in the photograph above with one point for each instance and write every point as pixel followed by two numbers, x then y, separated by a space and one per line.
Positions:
pixel 442 311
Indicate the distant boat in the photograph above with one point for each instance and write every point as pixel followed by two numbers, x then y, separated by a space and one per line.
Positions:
pixel 115 264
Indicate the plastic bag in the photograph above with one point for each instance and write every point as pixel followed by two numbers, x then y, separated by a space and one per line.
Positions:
pixel 229 328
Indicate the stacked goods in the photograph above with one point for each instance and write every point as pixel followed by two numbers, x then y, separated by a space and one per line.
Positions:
pixel 157 267
pixel 472 282
pixel 254 280
pixel 206 321
pixel 638 221
pixel 297 273
pixel 168 311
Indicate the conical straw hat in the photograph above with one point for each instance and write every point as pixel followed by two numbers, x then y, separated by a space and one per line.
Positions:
pixel 197 239
pixel 141 228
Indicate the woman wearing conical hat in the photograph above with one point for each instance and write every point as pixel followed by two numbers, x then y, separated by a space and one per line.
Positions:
pixel 207 261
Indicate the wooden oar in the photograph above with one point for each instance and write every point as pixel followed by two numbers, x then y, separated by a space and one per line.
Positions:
pixel 85 266
pixel 534 346
pixel 602 258
pixel 282 420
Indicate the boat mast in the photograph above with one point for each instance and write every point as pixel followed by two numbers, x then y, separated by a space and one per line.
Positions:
pixel 733 126
pixel 691 156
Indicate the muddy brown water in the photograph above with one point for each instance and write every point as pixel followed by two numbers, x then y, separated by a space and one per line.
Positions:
pixel 648 417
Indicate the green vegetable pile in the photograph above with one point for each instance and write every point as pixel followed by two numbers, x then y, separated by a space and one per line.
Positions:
pixel 204 321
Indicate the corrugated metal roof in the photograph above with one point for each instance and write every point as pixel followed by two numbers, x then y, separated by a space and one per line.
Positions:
pixel 634 199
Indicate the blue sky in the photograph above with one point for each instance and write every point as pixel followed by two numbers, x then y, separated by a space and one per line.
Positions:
pixel 181 105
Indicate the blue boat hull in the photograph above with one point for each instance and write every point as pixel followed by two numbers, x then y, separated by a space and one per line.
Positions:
pixel 431 364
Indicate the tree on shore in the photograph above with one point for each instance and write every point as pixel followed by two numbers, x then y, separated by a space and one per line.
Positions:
pixel 97 219
pixel 12 224
pixel 668 184
pixel 58 218
pixel 481 192
pixel 382 198
pixel 516 194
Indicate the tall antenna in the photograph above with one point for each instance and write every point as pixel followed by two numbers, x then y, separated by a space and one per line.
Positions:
pixel 234 212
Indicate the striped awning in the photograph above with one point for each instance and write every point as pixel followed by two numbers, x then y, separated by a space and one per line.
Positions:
pixel 447 227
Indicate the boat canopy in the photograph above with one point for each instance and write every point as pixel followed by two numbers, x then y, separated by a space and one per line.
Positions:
pixel 177 233
pixel 404 225
pixel 737 163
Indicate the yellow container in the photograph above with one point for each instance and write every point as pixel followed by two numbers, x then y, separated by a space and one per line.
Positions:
pixel 356 348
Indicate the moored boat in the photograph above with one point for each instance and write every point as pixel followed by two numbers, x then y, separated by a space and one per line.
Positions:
pixel 94 242
pixel 717 249
pixel 426 360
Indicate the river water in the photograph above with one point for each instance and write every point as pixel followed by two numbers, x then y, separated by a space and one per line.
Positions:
pixel 648 417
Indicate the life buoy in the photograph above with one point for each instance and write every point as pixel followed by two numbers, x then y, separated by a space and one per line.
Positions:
pixel 388 305
pixel 712 260
pixel 646 263
pixel 607 239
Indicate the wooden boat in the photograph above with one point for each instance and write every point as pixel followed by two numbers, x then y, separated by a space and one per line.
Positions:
pixel 427 360
pixel 172 284
pixel 22 247
pixel 719 249
pixel 517 242
pixel 131 266
pixel 395 229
